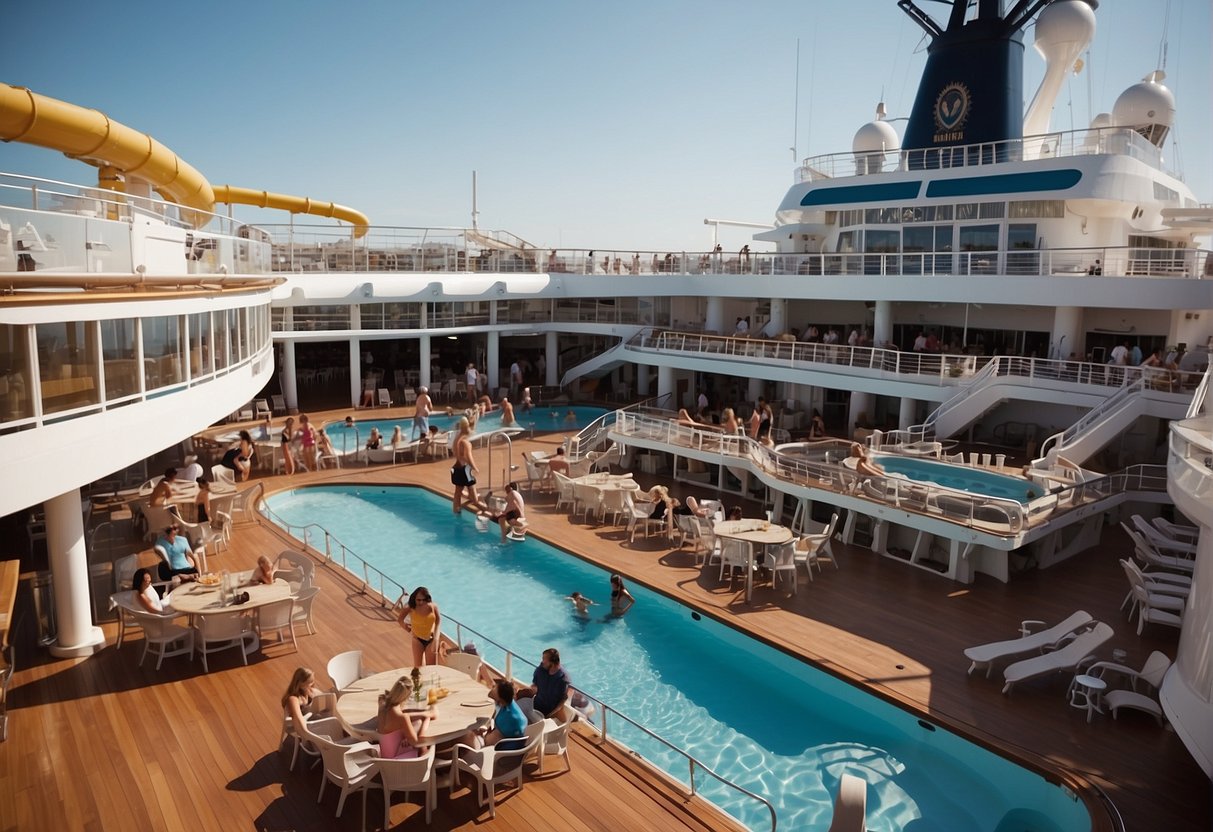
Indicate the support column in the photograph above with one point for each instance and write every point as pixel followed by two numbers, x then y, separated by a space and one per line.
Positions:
pixel 643 380
pixel 355 371
pixel 861 404
pixel 290 384
pixel 493 360
pixel 1067 334
pixel 909 413
pixel 69 567
pixel 882 323
pixel 423 361
pixel 665 382
pixel 713 320
pixel 778 322
pixel 551 355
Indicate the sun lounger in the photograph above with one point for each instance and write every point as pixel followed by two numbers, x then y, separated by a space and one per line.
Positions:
pixel 1065 658
pixel 1029 642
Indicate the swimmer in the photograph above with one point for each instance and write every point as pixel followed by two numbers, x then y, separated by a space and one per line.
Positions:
pixel 580 603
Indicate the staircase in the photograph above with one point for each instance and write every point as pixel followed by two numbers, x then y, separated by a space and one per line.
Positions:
pixel 597 366
pixel 974 398
pixel 1098 427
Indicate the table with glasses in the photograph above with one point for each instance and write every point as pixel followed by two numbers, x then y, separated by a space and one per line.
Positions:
pixel 466 705
pixel 601 483
pixel 755 533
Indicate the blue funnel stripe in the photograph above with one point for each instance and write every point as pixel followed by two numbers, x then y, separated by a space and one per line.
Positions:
pixel 1007 183
pixel 849 194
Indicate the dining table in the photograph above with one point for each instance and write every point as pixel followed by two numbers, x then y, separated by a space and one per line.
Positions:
pixel 756 533
pixel 195 598
pixel 466 705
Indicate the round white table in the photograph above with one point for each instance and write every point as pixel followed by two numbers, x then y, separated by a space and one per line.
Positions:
pixel 1087 693
pixel 466 706
pixel 756 533
pixel 194 598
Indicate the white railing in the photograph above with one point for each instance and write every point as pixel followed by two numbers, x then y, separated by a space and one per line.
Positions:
pixel 970 388
pixel 333 551
pixel 1056 443
pixel 1116 141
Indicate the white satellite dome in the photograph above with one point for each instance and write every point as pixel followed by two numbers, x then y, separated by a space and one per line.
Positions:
pixel 1148 107
pixel 876 136
pixel 1062 24
pixel 1102 120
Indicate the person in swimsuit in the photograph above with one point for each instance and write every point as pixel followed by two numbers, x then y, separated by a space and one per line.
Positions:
pixel 728 421
pixel 163 492
pixel 397 438
pixel 817 426
pixel 400 731
pixel 264 573
pixel 307 441
pixel 621 599
pixel 238 457
pixel 375 440
pixel 288 435
pixel 763 431
pixel 580 603
pixel 300 700
pixel 463 472
pixel 507 413
pixel 513 519
pixel 421 413
pixel 864 465
pixel 202 502
pixel 420 618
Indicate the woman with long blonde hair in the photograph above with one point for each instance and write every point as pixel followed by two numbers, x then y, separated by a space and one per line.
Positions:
pixel 400 732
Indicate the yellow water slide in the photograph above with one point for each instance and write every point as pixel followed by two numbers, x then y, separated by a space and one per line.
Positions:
pixel 96 139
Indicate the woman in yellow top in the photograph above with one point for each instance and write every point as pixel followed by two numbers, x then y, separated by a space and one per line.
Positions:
pixel 421 618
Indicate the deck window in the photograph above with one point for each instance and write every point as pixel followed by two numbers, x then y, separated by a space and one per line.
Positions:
pixel 68 365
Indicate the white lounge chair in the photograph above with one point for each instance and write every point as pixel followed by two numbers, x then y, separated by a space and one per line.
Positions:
pixel 1067 657
pixel 1176 531
pixel 1152 673
pixel 1163 543
pixel 1028 641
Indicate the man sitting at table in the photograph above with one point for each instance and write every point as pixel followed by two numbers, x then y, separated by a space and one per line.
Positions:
pixel 549 689
pixel 179 560
pixel 509 722
pixel 163 491
pixel 558 463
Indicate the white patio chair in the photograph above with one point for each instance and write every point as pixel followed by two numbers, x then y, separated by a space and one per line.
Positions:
pixel 614 503
pixel 298 560
pixel 345 669
pixel 490 766
pixel 564 490
pixel 783 560
pixel 261 409
pixel 586 498
pixel 383 398
pixel 410 397
pixel 1165 594
pixel 222 631
pixel 301 613
pixel 349 767
pixel 1153 608
pixel 555 741
pixel 278 402
pixel 468 663
pixel 164 638
pixel 639 514
pixel 277 617
pixel 534 477
pixel 734 554
pixel 825 548
pixel 579 468
pixel 415 774
pixel 222 479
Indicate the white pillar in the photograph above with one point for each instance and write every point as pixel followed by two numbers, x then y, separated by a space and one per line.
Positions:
pixel 423 360
pixel 861 404
pixel 290 384
pixel 69 567
pixel 493 359
pixel 643 374
pixel 778 322
pixel 355 372
pixel 909 413
pixel 1067 333
pixel 882 324
pixel 713 320
pixel 665 382
pixel 551 355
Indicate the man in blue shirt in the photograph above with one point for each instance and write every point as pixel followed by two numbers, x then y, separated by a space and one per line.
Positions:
pixel 549 686
pixel 180 557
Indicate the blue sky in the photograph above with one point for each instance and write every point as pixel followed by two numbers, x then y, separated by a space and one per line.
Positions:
pixel 597 125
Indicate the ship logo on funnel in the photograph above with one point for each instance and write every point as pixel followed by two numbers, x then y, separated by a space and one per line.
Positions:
pixel 952 107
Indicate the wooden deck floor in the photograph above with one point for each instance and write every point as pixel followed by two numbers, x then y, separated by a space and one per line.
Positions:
pixel 898 630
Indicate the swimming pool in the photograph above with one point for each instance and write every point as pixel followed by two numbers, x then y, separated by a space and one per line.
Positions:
pixel 961 477
pixel 540 419
pixel 759 717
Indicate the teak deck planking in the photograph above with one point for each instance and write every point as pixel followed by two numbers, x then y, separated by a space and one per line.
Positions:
pixel 861 622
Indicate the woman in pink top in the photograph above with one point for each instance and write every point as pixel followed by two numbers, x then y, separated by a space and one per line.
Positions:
pixel 400 732
pixel 307 440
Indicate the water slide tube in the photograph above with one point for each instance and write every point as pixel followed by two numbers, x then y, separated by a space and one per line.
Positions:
pixel 294 204
pixel 96 139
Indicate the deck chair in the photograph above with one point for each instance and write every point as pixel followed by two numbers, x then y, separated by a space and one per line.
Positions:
pixel 383 398
pixel 824 546
pixel 345 669
pixel 1151 673
pixel 222 479
pixel 851 805
pixel 468 663
pixel 1150 556
pixel 261 409
pixel 1028 641
pixel 1153 608
pixel 410 397
pixel 1176 531
pixel 1067 657
pixel 1163 543
pixel 278 403
pixel 564 490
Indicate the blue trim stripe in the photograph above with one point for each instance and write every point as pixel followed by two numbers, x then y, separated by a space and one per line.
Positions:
pixel 849 194
pixel 1007 183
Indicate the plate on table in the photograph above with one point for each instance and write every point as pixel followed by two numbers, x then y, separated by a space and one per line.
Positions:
pixel 209 579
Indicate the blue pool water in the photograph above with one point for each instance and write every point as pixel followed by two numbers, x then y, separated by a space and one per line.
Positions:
pixel 540 419
pixel 767 721
pixel 961 477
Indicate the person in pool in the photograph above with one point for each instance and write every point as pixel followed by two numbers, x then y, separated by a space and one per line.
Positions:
pixel 527 404
pixel 570 418
pixel 621 599
pixel 507 413
pixel 580 603
pixel 512 519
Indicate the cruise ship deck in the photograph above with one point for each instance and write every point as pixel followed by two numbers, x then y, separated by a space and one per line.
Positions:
pixel 900 633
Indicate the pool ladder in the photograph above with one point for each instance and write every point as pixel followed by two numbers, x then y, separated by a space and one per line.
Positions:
pixel 506 470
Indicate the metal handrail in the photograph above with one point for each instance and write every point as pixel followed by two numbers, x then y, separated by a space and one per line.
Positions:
pixel 399 592
pixel 509 454
pixel 1090 419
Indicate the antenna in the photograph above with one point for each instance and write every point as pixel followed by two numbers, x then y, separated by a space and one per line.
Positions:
pixel 796 108
pixel 475 213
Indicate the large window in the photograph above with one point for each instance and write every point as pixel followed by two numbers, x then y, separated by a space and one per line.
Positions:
pixel 163 351
pixel 68 365
pixel 121 360
pixel 200 341
pixel 975 239
pixel 15 368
